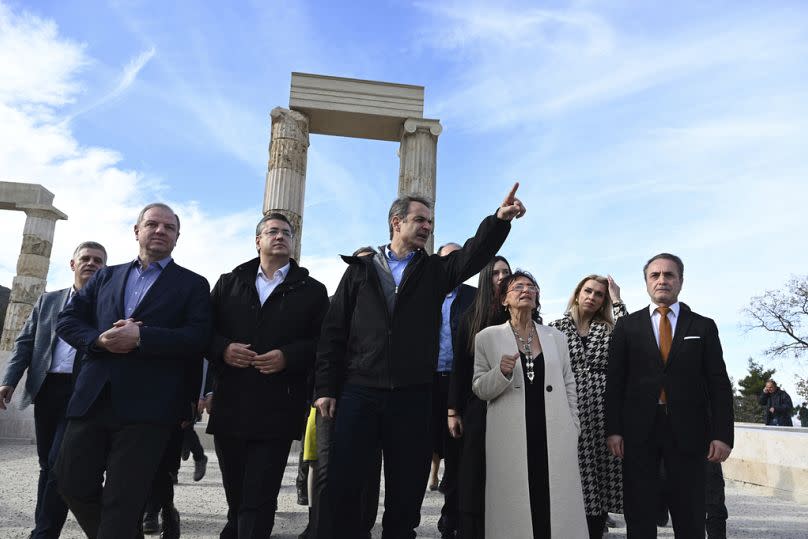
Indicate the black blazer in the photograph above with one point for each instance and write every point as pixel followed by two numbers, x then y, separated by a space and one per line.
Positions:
pixel 154 383
pixel 462 302
pixel 695 379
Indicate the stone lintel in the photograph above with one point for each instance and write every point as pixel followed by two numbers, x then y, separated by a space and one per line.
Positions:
pixel 31 198
pixel 355 108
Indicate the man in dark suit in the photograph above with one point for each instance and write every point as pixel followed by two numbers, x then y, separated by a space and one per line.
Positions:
pixel 144 327
pixel 52 366
pixel 443 445
pixel 267 315
pixel 668 402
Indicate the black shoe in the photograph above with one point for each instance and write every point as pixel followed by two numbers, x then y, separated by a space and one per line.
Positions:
pixel 171 523
pixel 302 495
pixel 186 452
pixel 151 523
pixel 200 467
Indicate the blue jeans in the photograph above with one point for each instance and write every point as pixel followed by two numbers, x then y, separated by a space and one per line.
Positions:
pixel 398 420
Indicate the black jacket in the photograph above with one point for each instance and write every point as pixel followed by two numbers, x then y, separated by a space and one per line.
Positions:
pixel 363 343
pixel 695 381
pixel 783 408
pixel 246 403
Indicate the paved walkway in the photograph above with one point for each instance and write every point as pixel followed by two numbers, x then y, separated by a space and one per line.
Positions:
pixel 202 505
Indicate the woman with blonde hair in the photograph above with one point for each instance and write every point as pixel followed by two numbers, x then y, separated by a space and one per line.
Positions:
pixel 587 324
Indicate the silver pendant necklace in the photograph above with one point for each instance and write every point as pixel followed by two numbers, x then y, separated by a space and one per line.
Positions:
pixel 527 351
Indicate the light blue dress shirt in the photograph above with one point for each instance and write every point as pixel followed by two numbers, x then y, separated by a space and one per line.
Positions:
pixel 63 354
pixel 446 352
pixel 397 265
pixel 139 281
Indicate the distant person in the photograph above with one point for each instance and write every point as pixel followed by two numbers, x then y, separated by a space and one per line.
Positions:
pixel 143 326
pixel 466 412
pixel 777 406
pixel 522 368
pixel 379 348
pixel 52 367
pixel 267 314
pixel 587 324
pixel 668 403
pixel 802 414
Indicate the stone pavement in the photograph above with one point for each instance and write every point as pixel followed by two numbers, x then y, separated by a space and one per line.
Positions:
pixel 202 506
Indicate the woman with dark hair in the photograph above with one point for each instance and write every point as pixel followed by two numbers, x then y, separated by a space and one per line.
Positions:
pixel 466 412
pixel 522 369
pixel 587 323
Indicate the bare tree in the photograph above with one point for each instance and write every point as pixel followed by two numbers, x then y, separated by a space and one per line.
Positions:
pixel 785 313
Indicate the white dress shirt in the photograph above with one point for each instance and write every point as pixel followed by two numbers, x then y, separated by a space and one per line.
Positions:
pixel 673 314
pixel 265 285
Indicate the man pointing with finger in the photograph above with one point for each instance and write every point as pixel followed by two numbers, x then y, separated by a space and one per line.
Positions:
pixel 266 316
pixel 378 354
pixel 668 402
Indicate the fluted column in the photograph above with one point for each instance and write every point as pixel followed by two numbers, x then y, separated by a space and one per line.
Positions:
pixel 32 272
pixel 418 154
pixel 286 175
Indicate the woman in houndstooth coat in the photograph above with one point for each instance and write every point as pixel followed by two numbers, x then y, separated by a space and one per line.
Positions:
pixel 591 312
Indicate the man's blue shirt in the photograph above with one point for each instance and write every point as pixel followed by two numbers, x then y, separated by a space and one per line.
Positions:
pixel 139 281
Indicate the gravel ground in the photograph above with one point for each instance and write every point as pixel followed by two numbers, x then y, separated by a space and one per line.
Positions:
pixel 202 505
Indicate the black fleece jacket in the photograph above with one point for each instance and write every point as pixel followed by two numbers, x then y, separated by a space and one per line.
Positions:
pixel 362 342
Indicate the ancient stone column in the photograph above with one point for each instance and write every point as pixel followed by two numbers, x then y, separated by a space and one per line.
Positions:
pixel 418 154
pixel 32 272
pixel 286 175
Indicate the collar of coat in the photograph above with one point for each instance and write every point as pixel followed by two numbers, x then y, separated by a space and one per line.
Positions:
pixel 246 272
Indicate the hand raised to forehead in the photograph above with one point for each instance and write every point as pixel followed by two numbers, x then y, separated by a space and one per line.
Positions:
pixel 511 207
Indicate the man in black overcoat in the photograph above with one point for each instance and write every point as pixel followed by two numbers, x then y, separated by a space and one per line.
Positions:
pixel 266 320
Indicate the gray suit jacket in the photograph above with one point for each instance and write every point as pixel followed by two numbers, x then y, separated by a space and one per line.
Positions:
pixel 33 348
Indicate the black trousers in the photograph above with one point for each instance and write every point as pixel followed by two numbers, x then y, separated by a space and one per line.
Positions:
pixel 129 454
pixel 449 449
pixel 643 486
pixel 252 471
pixel 320 516
pixel 398 420
pixel 49 422
pixel 716 522
pixel 471 472
pixel 162 488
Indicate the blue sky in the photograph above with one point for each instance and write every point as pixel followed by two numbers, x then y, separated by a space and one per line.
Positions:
pixel 634 127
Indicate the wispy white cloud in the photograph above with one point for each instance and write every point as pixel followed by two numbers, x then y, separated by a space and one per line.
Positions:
pixel 126 78
pixel 99 195
pixel 49 76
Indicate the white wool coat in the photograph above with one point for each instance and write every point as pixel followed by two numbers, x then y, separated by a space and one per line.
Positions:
pixel 507 495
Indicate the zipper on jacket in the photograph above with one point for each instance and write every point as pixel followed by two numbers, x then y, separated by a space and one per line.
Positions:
pixel 389 321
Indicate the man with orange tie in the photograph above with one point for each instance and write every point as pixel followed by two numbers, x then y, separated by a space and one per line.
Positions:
pixel 668 403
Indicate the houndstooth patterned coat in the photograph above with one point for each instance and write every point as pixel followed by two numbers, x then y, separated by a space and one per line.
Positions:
pixel 601 473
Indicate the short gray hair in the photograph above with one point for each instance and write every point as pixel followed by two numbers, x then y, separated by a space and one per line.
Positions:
pixel 273 216
pixel 90 245
pixel 160 205
pixel 401 206
pixel 665 256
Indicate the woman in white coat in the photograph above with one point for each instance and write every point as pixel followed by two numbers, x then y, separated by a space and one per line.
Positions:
pixel 522 368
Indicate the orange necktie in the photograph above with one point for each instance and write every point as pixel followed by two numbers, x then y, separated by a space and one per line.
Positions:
pixel 665 339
